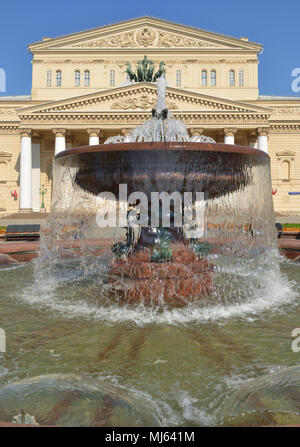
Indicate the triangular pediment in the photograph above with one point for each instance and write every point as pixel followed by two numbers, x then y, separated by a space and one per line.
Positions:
pixel 141 97
pixel 5 156
pixel 144 33
pixel 286 154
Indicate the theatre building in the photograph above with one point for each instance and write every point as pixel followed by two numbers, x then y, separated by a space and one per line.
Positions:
pixel 82 95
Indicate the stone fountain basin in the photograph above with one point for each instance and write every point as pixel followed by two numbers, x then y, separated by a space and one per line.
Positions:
pixel 215 169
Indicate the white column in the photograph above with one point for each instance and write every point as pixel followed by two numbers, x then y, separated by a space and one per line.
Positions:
pixel 263 140
pixel 25 172
pixel 94 136
pixel 60 140
pixel 229 135
pixel 36 176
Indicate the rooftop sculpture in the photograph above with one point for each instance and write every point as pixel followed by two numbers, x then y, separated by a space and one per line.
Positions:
pixel 144 71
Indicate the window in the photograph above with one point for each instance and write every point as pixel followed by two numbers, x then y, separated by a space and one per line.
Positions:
pixel 204 77
pixel 213 77
pixel 3 171
pixel 178 78
pixel 285 171
pixel 241 77
pixel 58 78
pixel 112 78
pixel 77 78
pixel 49 78
pixel 231 77
pixel 87 78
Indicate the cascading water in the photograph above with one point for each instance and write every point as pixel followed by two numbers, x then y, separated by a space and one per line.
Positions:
pixel 101 361
pixel 161 127
pixel 158 265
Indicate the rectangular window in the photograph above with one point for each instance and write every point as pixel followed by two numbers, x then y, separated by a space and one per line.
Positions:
pixel 49 78
pixel 87 78
pixel 213 78
pixel 232 78
pixel 112 78
pixel 241 77
pixel 58 78
pixel 178 78
pixel 77 78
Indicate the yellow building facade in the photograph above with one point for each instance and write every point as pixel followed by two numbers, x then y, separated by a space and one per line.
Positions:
pixel 81 95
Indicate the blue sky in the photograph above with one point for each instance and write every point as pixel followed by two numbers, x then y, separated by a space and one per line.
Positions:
pixel 275 24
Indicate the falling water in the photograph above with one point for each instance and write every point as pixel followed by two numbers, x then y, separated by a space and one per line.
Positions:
pixel 99 362
pixel 161 127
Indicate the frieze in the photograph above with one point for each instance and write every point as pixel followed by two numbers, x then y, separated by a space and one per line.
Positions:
pixel 286 110
pixel 146 38
pixel 174 40
pixel 118 41
pixel 143 102
pixel 8 112
pixel 129 118
pixel 9 130
pixel 71 61
pixel 285 128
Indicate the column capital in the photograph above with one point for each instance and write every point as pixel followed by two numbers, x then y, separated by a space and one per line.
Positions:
pixel 95 132
pixel 25 132
pixel 59 132
pixel 229 131
pixel 196 131
pixel 263 131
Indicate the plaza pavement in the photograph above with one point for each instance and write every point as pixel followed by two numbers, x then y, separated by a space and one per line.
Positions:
pixel 40 218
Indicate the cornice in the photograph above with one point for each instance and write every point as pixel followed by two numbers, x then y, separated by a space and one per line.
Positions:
pixel 117 93
pixel 285 127
pixel 9 129
pixel 133 118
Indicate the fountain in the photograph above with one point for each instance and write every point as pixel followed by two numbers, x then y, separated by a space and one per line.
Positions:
pixel 167 263
pixel 160 323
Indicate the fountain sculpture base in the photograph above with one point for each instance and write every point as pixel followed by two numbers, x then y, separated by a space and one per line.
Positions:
pixel 176 283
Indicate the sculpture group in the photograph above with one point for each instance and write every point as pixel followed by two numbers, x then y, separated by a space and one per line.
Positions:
pixel 145 71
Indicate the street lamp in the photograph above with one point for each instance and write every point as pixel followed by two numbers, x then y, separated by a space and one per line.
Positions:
pixel 43 191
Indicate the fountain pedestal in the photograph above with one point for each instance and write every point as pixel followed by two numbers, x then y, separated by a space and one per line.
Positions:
pixel 175 283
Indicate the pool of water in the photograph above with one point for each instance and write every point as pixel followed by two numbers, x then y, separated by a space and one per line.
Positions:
pixel 185 364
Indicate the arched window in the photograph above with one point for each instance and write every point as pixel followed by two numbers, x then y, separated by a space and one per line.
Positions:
pixel 87 78
pixel 112 78
pixel 285 171
pixel 77 78
pixel 213 77
pixel 178 78
pixel 58 78
pixel 204 77
pixel 241 77
pixel 49 78
pixel 231 77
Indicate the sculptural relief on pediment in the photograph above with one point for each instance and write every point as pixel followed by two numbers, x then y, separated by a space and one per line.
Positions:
pixel 146 38
pixel 144 102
